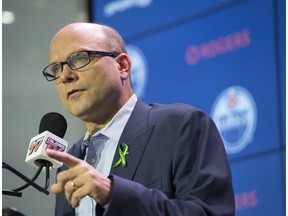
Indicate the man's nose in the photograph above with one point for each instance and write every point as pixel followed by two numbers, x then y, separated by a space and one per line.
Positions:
pixel 68 74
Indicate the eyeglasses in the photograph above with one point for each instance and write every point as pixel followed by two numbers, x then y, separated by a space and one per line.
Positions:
pixel 74 61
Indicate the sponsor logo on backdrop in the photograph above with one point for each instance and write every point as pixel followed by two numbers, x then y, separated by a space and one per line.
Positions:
pixel 246 200
pixel 234 112
pixel 119 6
pixel 139 72
pixel 219 46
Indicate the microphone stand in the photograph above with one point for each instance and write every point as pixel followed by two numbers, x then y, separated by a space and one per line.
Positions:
pixel 31 182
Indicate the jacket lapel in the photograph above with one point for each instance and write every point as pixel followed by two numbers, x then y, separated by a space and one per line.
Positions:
pixel 136 135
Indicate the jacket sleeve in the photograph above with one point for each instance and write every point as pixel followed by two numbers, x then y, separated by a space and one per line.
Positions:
pixel 201 177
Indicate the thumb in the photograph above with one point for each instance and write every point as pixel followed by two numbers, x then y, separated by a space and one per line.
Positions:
pixel 57 189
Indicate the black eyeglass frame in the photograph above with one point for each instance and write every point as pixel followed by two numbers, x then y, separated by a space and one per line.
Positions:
pixel 89 52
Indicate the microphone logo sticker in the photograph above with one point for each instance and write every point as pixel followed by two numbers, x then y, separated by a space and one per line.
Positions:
pixel 54 145
pixel 34 146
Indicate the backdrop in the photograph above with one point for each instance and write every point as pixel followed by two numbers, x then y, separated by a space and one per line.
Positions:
pixel 227 58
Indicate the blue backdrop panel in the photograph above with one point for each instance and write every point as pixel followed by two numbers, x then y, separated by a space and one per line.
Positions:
pixel 281 45
pixel 258 186
pixel 198 52
pixel 283 175
pixel 136 17
pixel 249 62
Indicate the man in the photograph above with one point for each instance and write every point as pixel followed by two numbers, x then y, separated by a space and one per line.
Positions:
pixel 153 159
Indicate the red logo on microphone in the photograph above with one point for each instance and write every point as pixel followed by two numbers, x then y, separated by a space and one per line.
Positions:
pixel 54 145
pixel 34 146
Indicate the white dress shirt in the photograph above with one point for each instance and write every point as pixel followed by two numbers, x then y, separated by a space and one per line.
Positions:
pixel 112 131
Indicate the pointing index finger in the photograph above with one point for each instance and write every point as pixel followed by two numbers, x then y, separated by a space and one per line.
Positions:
pixel 67 159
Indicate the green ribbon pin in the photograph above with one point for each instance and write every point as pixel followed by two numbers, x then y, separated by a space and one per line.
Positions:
pixel 123 151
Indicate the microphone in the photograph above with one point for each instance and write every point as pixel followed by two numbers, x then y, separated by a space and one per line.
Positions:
pixel 52 129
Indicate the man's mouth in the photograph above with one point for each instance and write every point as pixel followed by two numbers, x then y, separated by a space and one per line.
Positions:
pixel 72 92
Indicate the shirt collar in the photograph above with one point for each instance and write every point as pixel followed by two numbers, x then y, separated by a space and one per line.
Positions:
pixel 115 127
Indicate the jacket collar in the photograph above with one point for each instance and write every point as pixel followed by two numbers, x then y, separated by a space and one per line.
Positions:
pixel 136 135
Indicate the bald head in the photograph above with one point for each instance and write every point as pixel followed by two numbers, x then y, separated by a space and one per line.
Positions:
pixel 92 34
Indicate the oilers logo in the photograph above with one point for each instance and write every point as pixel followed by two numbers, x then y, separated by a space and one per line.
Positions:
pixel 235 115
pixel 139 71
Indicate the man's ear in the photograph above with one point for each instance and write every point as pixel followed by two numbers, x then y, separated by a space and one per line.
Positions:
pixel 124 64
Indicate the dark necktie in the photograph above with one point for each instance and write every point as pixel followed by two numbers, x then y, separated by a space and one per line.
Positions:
pixel 95 146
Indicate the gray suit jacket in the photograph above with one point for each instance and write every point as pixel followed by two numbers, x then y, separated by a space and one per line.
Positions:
pixel 176 165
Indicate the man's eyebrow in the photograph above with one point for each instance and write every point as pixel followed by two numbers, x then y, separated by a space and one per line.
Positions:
pixel 75 51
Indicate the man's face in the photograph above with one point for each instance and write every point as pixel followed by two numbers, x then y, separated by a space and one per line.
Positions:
pixel 92 88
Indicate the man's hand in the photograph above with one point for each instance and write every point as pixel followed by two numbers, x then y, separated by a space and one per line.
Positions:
pixel 80 180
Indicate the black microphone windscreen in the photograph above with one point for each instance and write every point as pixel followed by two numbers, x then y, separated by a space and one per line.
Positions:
pixel 54 123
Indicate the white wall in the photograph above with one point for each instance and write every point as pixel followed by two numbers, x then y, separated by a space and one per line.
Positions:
pixel 26 96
